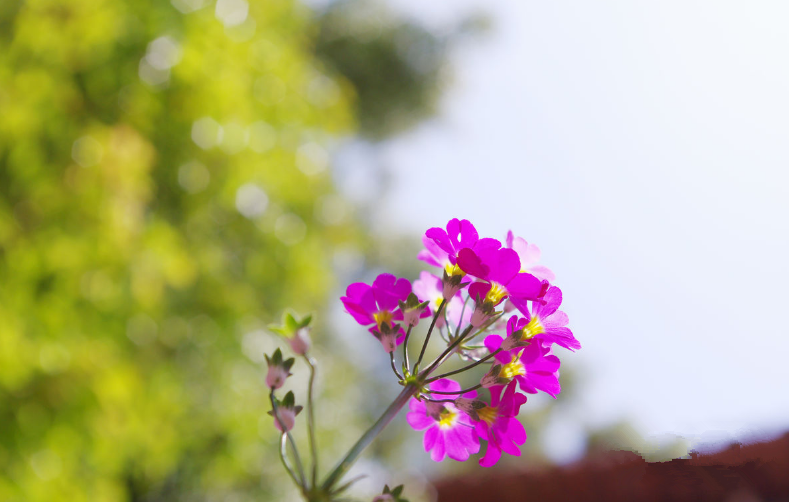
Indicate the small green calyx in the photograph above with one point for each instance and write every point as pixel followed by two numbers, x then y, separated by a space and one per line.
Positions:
pixel 290 324
pixel 276 361
pixel 390 495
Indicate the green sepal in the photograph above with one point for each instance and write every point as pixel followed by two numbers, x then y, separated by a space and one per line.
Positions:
pixel 290 324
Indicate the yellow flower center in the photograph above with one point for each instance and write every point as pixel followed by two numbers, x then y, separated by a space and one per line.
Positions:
pixel 532 329
pixel 437 302
pixel 496 293
pixel 448 419
pixel 454 270
pixel 383 316
pixel 488 414
pixel 513 368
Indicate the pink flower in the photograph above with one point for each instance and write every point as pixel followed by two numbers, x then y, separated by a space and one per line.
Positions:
pixel 376 304
pixel 533 367
pixel 544 322
pixel 499 426
pixel 529 255
pixel 443 246
pixel 429 288
pixel 503 278
pixel 449 432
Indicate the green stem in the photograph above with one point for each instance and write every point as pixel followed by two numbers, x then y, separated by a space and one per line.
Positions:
pixel 464 368
pixel 429 332
pixel 448 351
pixel 311 420
pixel 274 407
pixel 405 348
pixel 283 456
pixel 339 471
pixel 394 368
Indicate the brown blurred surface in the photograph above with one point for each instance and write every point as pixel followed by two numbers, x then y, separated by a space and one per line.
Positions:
pixel 738 473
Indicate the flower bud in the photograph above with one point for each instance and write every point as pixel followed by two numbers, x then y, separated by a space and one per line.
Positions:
pixel 390 495
pixel 295 331
pixel 483 311
pixel 388 336
pixel 286 413
pixel 493 377
pixel 470 406
pixel 412 309
pixel 513 342
pixel 300 343
pixel 434 410
pixel 278 370
pixel 452 284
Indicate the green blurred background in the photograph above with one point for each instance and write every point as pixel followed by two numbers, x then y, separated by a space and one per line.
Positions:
pixel 165 192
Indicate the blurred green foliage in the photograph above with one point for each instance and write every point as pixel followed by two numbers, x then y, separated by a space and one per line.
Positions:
pixel 164 194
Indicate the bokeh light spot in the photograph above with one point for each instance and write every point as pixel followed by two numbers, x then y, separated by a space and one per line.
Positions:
pixel 193 177
pixel 251 200
pixel 86 151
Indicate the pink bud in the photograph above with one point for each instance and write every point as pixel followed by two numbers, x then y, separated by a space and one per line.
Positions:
pixel 276 376
pixel 300 343
pixel 288 418
pixel 389 341
pixel 479 317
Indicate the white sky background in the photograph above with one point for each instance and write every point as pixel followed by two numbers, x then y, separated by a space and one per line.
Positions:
pixel 644 147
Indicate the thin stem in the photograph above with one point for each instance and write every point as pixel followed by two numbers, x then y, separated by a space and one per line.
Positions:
pixel 405 347
pixel 283 456
pixel 487 325
pixel 394 368
pixel 448 351
pixel 462 391
pixel 275 408
pixel 339 471
pixel 429 332
pixel 311 419
pixel 438 400
pixel 462 312
pixel 468 367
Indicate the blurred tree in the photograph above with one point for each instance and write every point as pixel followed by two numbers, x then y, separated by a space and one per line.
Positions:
pixel 398 68
pixel 164 193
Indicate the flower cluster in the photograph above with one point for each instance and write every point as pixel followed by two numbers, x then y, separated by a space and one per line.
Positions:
pixel 496 310
pixel 483 286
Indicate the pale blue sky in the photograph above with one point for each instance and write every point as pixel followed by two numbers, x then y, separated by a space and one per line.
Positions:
pixel 644 147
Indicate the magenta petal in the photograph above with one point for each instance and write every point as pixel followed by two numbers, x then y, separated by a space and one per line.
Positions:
pixel 504 264
pixel 516 432
pixel 445 385
pixel 563 337
pixel 486 245
pixel 359 314
pixel 478 290
pixel 524 286
pixel 462 233
pixel 555 320
pixel 492 456
pixel 546 382
pixel 419 421
pixel 510 237
pixel 523 307
pixel 552 300
pixel 470 263
pixel 438 452
pixel 541 272
pixel 440 237
pixel 430 438
pixel 455 446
